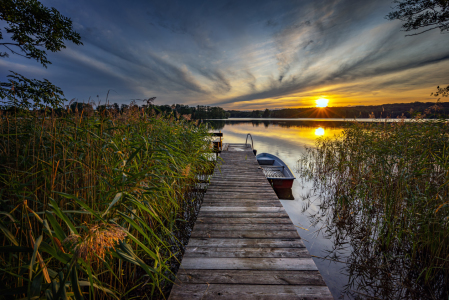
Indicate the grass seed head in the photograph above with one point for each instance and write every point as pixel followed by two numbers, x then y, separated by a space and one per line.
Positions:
pixel 97 240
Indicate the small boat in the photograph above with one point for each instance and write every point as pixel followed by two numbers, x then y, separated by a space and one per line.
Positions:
pixel 276 171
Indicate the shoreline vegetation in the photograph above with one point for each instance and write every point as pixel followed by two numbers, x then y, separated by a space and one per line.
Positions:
pixel 384 194
pixel 97 205
pixel 202 112
pixel 408 110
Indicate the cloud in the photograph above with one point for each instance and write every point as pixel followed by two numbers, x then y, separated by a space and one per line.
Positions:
pixel 239 53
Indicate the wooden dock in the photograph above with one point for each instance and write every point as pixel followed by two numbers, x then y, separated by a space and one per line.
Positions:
pixel 244 245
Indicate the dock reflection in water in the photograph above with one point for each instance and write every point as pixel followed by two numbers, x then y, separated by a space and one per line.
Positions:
pixel 353 268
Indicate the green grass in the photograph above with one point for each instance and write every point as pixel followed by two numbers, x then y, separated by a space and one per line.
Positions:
pixel 385 191
pixel 95 202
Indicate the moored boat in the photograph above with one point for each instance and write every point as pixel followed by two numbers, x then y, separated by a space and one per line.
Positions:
pixel 276 171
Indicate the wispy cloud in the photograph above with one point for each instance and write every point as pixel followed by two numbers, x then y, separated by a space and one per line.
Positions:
pixel 242 54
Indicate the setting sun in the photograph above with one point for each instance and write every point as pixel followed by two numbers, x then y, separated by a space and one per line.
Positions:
pixel 322 102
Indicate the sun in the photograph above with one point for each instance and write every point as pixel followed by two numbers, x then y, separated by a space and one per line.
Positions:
pixel 322 102
pixel 319 131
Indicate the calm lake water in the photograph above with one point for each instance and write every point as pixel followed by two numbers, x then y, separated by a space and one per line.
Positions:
pixel 288 140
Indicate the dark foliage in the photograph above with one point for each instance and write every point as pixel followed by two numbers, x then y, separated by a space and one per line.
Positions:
pixel 24 93
pixel 32 29
pixel 421 14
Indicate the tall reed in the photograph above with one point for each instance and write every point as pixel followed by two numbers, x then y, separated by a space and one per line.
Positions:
pixel 385 193
pixel 90 203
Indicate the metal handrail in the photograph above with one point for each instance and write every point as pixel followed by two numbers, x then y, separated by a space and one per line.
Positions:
pixel 252 144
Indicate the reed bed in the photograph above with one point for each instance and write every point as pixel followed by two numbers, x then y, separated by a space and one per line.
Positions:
pixel 95 205
pixel 385 199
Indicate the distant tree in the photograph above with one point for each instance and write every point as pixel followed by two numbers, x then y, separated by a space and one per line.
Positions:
pixel 266 113
pixel 421 14
pixel 33 29
pixel 256 114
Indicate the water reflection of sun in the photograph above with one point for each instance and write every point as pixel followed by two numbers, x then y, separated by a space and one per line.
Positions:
pixel 319 131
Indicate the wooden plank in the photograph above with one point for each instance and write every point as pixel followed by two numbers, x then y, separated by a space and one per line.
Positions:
pixel 231 197
pixel 232 180
pixel 235 214
pixel 244 292
pixel 242 209
pixel 243 203
pixel 231 221
pixel 240 176
pixel 249 194
pixel 228 177
pixel 250 277
pixel 250 243
pixel 248 200
pixel 244 197
pixel 243 263
pixel 221 185
pixel 245 234
pixel 232 188
pixel 230 192
pixel 246 252
pixel 267 227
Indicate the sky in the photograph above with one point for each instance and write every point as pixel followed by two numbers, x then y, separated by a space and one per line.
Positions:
pixel 242 54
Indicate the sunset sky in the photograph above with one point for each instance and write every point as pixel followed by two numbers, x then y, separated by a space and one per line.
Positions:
pixel 242 54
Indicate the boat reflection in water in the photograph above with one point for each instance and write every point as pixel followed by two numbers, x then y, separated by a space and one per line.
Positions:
pixel 284 194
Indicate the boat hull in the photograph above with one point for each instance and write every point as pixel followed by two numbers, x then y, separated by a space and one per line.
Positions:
pixel 281 183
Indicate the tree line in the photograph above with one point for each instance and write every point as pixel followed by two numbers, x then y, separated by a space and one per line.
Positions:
pixel 428 110
pixel 192 112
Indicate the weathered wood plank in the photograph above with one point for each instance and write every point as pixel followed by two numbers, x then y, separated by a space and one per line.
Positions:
pixel 237 184
pixel 242 209
pixel 239 263
pixel 250 243
pixel 242 204
pixel 245 234
pixel 230 196
pixel 244 292
pixel 231 189
pixel 240 180
pixel 267 227
pixel 236 214
pixel 247 200
pixel 250 194
pixel 231 221
pixel 246 252
pixel 240 190
pixel 250 277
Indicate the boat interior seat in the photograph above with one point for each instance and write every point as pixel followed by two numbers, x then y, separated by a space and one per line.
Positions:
pixel 265 161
